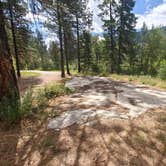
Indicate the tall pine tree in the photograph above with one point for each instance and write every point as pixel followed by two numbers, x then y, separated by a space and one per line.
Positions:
pixel 126 25
pixel 108 16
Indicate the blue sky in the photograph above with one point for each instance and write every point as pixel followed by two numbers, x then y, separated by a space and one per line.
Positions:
pixel 142 6
pixel 152 12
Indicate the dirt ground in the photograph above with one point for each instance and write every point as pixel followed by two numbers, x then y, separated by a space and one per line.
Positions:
pixel 132 141
pixel 43 79
pixel 136 142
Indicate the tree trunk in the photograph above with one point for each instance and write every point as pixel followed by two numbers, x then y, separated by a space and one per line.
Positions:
pixel 78 45
pixel 66 52
pixel 14 39
pixel 120 40
pixel 59 11
pixel 112 40
pixel 119 57
pixel 8 82
pixel 97 57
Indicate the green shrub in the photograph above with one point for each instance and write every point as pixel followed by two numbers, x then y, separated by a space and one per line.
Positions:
pixel 9 108
pixel 162 70
pixel 27 102
pixel 95 68
pixel 37 100
pixel 33 100
pixel 54 90
pixel 100 69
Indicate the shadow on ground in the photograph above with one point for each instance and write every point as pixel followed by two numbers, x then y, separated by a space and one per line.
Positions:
pixel 140 142
pixel 109 142
pixel 29 82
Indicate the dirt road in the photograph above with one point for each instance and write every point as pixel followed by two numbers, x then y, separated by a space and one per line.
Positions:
pixel 48 76
pixel 44 78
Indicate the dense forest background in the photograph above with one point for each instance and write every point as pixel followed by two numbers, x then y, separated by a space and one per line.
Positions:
pixel 120 49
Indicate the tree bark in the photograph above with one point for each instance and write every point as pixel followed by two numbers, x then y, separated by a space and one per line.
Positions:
pixel 59 10
pixel 120 40
pixel 66 52
pixel 78 45
pixel 14 39
pixel 8 82
pixel 119 56
pixel 112 40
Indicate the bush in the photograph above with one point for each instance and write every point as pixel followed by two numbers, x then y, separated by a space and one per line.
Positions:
pixel 100 69
pixel 9 108
pixel 27 102
pixel 162 70
pixel 33 100
pixel 37 99
pixel 95 68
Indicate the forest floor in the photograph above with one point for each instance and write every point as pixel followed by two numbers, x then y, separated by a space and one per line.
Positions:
pixel 104 122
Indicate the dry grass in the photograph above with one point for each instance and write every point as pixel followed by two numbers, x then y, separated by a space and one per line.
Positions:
pixel 146 80
pixel 26 74
pixel 140 142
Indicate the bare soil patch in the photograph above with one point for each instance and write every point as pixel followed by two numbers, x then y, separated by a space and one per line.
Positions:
pixel 44 78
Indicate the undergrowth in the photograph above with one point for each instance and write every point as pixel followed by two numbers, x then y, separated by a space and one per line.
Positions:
pixel 146 80
pixel 34 101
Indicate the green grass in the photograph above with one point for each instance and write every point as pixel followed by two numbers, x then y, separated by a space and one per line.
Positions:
pixel 29 74
pixel 146 80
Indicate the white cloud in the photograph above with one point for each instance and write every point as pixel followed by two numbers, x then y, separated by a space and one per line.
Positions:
pixel 38 17
pixel 37 21
pixel 50 39
pixel 97 23
pixel 156 17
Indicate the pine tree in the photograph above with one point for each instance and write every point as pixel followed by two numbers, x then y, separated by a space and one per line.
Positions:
pixel 42 50
pixel 96 48
pixel 59 18
pixel 126 24
pixel 66 32
pixel 108 14
pixel 9 94
pixel 19 29
pixel 55 11
pixel 54 53
pixel 10 5
pixel 83 19
pixel 87 51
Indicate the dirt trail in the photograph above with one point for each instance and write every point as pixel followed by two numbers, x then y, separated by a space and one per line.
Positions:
pixel 48 76
pixel 44 78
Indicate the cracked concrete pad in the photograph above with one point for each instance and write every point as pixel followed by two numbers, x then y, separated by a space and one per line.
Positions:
pixel 86 117
pixel 99 91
